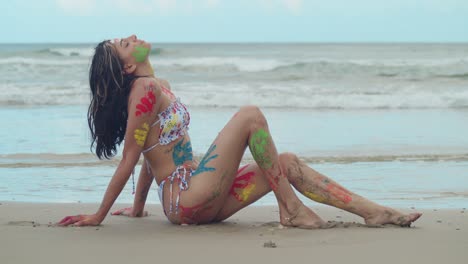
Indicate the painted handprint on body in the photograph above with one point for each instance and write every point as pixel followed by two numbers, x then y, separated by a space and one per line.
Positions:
pixel 243 185
pixel 140 134
pixel 146 102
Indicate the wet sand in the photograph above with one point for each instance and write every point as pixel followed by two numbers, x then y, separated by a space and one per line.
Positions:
pixel 28 235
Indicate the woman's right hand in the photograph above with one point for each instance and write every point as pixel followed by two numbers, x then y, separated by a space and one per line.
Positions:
pixel 130 213
pixel 81 220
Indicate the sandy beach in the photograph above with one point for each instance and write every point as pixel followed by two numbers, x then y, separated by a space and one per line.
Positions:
pixel 387 121
pixel 28 235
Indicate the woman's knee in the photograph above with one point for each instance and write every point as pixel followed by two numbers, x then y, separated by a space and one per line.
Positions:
pixel 253 115
pixel 291 167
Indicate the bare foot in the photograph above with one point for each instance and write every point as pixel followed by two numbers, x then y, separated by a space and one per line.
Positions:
pixel 390 216
pixel 303 218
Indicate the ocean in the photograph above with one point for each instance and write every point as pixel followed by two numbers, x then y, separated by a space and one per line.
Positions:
pixel 388 121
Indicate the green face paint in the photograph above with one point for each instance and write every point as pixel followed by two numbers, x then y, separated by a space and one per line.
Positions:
pixel 258 143
pixel 140 53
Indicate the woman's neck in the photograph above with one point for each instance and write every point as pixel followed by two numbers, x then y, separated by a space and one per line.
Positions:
pixel 144 69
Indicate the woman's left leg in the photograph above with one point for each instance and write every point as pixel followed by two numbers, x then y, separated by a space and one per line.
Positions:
pixel 250 185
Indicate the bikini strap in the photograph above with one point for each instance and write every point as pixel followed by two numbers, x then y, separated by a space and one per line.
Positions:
pixel 150 148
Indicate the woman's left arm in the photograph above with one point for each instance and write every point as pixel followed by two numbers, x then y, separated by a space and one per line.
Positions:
pixel 144 183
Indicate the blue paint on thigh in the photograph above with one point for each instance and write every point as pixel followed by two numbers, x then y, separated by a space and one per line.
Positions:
pixel 207 158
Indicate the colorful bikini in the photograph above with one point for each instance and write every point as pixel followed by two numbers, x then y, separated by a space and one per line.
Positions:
pixel 173 123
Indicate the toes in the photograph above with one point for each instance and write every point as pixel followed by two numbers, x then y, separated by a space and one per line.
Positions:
pixel 409 219
pixel 329 224
pixel 415 216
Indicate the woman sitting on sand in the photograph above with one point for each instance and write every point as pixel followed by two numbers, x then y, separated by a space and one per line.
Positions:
pixel 129 102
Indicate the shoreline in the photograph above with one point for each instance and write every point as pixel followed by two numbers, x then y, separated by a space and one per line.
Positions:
pixel 28 235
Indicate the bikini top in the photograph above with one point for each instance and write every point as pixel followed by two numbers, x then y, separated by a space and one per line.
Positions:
pixel 174 121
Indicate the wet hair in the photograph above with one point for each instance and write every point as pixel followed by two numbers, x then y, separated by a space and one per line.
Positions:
pixel 110 89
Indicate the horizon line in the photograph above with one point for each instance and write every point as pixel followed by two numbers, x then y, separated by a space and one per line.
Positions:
pixel 256 42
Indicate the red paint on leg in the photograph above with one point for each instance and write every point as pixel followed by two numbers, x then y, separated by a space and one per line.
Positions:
pixel 241 182
pixel 188 214
pixel 340 193
pixel 274 175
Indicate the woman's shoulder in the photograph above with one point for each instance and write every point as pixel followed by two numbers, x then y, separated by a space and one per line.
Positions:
pixel 145 83
pixel 145 86
pixel 164 83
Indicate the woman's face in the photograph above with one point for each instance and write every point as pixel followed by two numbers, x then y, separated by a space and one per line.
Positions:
pixel 132 50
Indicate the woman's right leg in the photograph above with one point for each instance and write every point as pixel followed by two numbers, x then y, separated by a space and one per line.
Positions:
pixel 211 182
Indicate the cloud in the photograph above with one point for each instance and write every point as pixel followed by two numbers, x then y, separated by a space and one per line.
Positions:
pixel 293 6
pixel 211 3
pixel 170 7
pixel 164 7
pixel 78 7
pixel 144 7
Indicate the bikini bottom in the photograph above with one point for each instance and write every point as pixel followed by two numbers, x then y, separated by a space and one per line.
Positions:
pixel 180 176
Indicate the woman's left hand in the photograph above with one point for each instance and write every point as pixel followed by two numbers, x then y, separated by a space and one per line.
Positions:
pixel 130 213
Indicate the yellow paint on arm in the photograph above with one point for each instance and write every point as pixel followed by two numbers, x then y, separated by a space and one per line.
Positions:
pixel 140 134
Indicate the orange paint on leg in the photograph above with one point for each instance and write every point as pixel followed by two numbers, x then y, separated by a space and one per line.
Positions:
pixel 340 193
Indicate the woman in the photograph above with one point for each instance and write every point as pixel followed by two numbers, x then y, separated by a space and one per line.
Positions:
pixel 129 102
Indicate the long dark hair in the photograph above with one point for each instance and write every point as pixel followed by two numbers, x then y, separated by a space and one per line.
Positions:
pixel 107 112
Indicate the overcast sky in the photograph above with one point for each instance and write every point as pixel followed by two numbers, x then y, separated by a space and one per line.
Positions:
pixel 235 20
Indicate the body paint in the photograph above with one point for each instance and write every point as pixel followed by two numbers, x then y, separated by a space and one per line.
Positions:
pixel 258 143
pixel 207 158
pixel 140 53
pixel 189 214
pixel 315 197
pixel 140 134
pixel 336 191
pixel 182 152
pixel 273 177
pixel 167 92
pixel 340 193
pixel 146 104
pixel 242 186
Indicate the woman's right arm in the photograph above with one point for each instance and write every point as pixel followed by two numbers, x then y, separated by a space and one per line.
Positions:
pixel 144 101
pixel 118 181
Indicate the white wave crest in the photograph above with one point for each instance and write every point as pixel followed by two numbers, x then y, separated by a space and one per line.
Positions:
pixel 239 63
pixel 265 95
pixel 43 61
pixel 70 52
pixel 315 98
